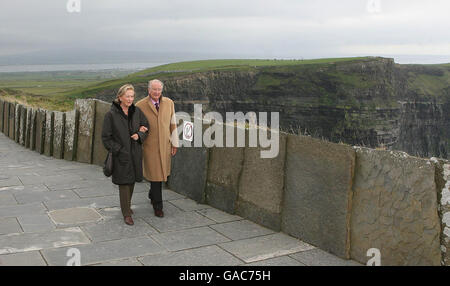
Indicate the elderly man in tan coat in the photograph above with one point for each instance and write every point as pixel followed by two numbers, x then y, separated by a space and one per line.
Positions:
pixel 161 143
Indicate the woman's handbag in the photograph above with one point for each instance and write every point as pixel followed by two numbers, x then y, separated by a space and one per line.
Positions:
pixel 108 165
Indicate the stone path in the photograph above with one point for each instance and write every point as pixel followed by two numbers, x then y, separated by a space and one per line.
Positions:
pixel 50 207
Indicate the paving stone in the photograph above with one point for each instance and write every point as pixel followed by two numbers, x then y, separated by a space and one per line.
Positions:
pixel 13 211
pixel 89 175
pixel 97 202
pixel 189 205
pixel 178 221
pixel 104 251
pixel 117 229
pixel 265 247
pixel 218 215
pixel 140 210
pixel 62 185
pixel 32 197
pixel 122 262
pixel 143 187
pixel 203 256
pixel 241 229
pixel 49 180
pixel 139 198
pixel 169 195
pixel 9 225
pixel 277 261
pixel 74 216
pixel 7 199
pixel 30 258
pixel 318 257
pixel 98 191
pixel 190 238
pixel 29 188
pixel 36 223
pixel 21 242
pixel 9 181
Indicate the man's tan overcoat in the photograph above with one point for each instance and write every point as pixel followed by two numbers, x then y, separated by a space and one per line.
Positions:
pixel 157 147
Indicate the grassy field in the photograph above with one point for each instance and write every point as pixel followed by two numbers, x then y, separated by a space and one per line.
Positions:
pixel 47 89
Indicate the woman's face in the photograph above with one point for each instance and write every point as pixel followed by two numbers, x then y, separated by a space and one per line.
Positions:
pixel 127 98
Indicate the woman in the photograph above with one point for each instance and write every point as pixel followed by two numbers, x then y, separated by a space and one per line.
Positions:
pixel 124 130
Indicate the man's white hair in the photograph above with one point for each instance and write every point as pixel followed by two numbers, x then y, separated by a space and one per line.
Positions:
pixel 155 80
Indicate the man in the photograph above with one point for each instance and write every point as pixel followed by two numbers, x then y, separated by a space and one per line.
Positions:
pixel 161 142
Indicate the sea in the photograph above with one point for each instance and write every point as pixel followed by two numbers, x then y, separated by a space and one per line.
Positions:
pixel 77 67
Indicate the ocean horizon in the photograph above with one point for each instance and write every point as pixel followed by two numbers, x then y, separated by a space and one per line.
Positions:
pixel 77 67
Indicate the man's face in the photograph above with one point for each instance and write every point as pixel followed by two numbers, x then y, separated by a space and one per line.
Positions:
pixel 155 90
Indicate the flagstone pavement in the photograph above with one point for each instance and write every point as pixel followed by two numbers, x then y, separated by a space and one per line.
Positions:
pixel 53 212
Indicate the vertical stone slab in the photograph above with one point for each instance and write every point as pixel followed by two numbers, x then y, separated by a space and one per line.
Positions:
pixel 17 122
pixel 99 153
pixel 12 119
pixel 224 170
pixel 2 111
pixel 261 186
pixel 85 140
pixel 33 129
pixel 189 171
pixel 40 130
pixel 49 134
pixel 318 192
pixel 443 187
pixel 6 119
pixel 28 128
pixel 22 125
pixel 70 135
pixel 58 134
pixel 395 209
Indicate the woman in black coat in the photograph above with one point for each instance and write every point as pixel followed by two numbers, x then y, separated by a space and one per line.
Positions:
pixel 125 128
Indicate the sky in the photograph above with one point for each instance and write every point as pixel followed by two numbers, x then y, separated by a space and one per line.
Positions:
pixel 414 31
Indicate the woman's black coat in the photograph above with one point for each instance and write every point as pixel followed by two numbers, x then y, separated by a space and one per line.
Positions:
pixel 116 137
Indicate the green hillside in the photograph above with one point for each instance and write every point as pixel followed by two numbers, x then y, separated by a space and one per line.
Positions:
pixel 59 91
pixel 190 67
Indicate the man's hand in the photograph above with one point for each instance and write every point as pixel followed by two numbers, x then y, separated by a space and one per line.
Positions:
pixel 135 137
pixel 174 151
pixel 143 129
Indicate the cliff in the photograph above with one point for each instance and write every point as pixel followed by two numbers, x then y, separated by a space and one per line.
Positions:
pixel 371 102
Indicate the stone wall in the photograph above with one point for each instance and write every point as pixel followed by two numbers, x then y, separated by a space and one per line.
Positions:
pixel 395 208
pixel 341 199
pixel 443 186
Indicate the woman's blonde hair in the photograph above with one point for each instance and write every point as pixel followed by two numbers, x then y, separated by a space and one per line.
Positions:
pixel 124 88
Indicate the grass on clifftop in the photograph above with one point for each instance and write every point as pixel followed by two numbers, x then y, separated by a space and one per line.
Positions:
pixel 184 68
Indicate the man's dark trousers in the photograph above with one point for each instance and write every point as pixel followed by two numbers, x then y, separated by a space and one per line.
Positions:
pixel 155 195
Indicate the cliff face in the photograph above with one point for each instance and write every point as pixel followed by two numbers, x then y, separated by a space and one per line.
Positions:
pixel 372 102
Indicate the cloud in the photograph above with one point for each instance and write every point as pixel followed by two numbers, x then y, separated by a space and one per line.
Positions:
pixel 262 28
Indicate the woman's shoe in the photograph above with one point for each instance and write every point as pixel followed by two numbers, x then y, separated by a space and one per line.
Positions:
pixel 159 213
pixel 129 220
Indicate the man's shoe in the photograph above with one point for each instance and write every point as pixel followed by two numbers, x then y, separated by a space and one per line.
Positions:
pixel 129 220
pixel 159 213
